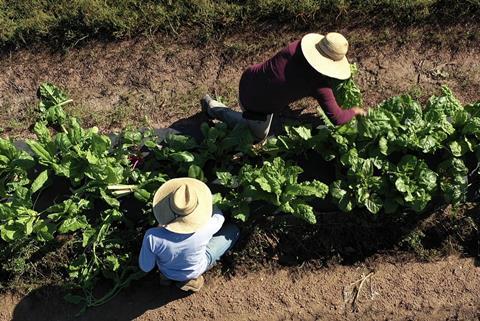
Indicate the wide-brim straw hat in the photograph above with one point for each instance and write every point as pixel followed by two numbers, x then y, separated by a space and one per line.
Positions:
pixel 326 54
pixel 183 205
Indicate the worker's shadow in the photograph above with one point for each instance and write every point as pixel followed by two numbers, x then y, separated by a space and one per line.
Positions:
pixel 191 125
pixel 47 303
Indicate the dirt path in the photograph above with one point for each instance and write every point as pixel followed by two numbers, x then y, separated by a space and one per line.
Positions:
pixel 156 81
pixel 444 290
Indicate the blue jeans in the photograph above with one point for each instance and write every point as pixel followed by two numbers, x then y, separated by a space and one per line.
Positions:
pixel 221 242
pixel 259 128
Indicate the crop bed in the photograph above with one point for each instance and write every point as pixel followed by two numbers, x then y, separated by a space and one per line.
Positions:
pixel 87 196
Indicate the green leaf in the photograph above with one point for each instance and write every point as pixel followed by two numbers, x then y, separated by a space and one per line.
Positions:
pixel 181 142
pixel 304 212
pixel 75 132
pixel 455 148
pixel 151 144
pixel 264 184
pixel 314 188
pixel 341 197
pixel 373 204
pixel 63 142
pixel 51 94
pixel 44 230
pixel 347 93
pixel 55 115
pixel 142 195
pixel 218 199
pixel 11 231
pixel 132 137
pixel 27 224
pixel 39 181
pixel 302 132
pixel 226 179
pixel 73 224
pixel 383 145
pixel 112 201
pixel 427 179
pixel 196 171
pixel 472 126
pixel 186 157
pixel 401 185
pixel 43 155
pixel 42 132
pixel 91 158
pixel 75 268
pixel 350 159
pixel 112 263
pixel 87 236
pixel 100 144
pixel 239 139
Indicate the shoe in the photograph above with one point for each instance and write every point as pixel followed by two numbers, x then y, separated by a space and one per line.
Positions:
pixel 193 285
pixel 205 103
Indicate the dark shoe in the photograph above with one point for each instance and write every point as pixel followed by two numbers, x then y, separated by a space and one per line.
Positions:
pixel 193 285
pixel 205 103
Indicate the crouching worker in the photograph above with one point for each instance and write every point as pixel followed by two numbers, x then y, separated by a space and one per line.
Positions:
pixel 308 67
pixel 190 237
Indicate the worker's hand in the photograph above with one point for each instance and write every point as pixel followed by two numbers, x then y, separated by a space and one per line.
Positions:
pixel 359 111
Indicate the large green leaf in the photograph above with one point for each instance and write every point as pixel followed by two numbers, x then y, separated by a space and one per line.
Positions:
pixel 113 202
pixel 373 203
pixel 341 197
pixel 313 188
pixel 40 181
pixel 11 231
pixel 196 171
pixel 73 224
pixel 183 157
pixel 304 212
pixel 44 230
pixel 43 155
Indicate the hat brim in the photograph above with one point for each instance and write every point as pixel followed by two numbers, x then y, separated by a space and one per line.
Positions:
pixel 335 69
pixel 183 224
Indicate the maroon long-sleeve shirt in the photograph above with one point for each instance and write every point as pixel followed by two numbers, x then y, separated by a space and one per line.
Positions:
pixel 287 77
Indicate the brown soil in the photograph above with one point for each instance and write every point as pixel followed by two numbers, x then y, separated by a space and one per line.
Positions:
pixel 444 290
pixel 158 82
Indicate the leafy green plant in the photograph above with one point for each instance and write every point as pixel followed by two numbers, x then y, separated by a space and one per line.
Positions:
pixel 275 182
pixel 96 190
pixel 347 93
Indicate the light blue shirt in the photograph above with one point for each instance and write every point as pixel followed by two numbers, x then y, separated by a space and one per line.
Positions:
pixel 179 257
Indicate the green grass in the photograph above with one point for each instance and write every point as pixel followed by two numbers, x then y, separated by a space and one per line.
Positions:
pixel 66 23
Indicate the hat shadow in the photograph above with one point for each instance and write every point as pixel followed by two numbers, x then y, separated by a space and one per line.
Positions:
pixel 47 303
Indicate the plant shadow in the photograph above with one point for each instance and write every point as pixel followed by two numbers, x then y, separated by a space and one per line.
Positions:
pixel 352 238
pixel 47 303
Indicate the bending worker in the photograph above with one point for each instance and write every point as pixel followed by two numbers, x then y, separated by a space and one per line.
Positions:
pixel 305 68
pixel 190 237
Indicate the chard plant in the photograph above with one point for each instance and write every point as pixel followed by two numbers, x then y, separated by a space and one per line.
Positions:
pixel 95 191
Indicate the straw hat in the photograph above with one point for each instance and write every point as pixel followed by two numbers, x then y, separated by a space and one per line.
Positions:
pixel 326 54
pixel 183 205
